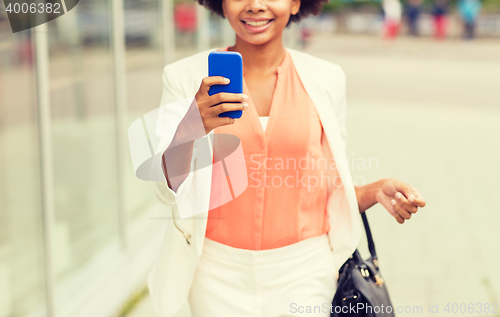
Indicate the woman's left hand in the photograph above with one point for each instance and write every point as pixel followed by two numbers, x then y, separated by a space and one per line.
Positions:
pixel 399 198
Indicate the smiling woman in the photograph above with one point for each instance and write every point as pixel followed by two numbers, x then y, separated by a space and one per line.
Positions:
pixel 306 8
pixel 280 243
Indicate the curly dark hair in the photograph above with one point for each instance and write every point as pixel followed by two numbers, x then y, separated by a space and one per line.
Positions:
pixel 307 7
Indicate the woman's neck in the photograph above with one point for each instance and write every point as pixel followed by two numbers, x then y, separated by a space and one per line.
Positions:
pixel 261 59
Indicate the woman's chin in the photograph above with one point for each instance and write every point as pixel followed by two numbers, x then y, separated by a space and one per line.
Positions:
pixel 257 40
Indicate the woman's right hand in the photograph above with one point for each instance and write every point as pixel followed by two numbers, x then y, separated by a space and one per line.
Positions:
pixel 211 106
pixel 177 157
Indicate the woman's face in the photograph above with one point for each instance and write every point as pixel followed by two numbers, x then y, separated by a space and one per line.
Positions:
pixel 259 21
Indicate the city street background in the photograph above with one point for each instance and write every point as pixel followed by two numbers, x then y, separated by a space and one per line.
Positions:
pixel 78 232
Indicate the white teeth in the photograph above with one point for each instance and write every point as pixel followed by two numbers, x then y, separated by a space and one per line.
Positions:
pixel 258 23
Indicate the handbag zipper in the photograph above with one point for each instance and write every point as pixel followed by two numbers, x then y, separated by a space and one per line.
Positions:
pixel 185 234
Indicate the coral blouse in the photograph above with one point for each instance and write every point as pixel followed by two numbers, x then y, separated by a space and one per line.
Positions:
pixel 285 201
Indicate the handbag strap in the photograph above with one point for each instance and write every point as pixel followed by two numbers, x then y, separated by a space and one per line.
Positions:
pixel 371 244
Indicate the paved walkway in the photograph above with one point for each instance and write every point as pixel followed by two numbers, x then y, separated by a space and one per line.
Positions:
pixel 427 113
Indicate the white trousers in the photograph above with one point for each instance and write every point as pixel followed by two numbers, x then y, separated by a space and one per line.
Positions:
pixel 295 280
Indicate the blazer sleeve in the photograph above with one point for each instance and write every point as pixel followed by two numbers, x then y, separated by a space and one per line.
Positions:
pixel 173 107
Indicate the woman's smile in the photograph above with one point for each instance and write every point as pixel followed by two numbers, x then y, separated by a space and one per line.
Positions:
pixel 257 25
pixel 258 22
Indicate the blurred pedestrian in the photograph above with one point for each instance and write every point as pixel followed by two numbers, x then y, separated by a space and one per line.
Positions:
pixel 305 36
pixel 469 10
pixel 439 13
pixel 185 17
pixel 392 18
pixel 185 22
pixel 25 49
pixel 413 10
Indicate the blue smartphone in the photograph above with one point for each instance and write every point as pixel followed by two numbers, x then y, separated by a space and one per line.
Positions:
pixel 228 65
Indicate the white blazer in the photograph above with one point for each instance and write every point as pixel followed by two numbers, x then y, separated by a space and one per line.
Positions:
pixel 170 279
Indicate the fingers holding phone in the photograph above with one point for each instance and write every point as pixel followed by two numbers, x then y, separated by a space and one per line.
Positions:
pixel 210 107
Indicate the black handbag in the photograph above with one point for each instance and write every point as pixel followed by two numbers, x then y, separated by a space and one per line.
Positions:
pixel 361 291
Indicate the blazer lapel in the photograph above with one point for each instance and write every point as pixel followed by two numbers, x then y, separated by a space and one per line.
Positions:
pixel 330 125
pixel 325 111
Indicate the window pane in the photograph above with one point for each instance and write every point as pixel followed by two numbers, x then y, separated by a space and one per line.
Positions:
pixel 21 261
pixel 143 30
pixel 83 136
